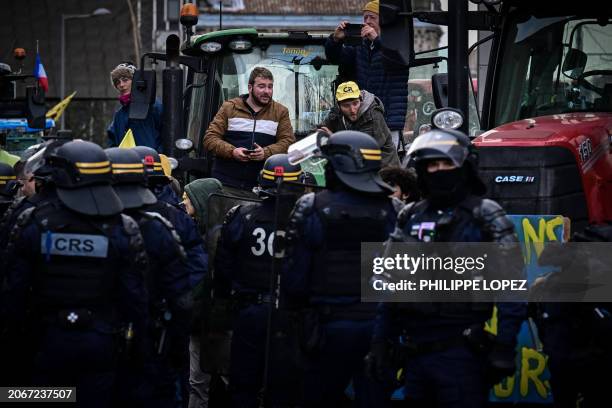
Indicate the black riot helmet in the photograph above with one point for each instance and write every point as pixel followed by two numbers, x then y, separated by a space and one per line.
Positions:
pixel 129 180
pixel 82 175
pixel 37 158
pixel 355 159
pixel 277 167
pixel 441 144
pixel 452 145
pixel 8 183
pixel 152 165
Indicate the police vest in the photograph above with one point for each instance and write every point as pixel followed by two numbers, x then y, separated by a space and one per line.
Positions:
pixel 174 214
pixel 144 219
pixel 453 225
pixel 457 224
pixel 337 267
pixel 75 267
pixel 259 241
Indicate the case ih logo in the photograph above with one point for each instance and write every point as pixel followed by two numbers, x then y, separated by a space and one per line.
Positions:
pixel 514 179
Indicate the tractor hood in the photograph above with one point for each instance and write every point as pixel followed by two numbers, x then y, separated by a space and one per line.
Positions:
pixel 567 130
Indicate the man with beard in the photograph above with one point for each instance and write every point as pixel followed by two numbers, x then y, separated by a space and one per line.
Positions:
pixel 362 111
pixel 245 132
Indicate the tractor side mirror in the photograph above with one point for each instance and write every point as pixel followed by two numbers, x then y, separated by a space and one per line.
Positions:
pixel 35 108
pixel 143 93
pixel 574 63
pixel 439 88
pixel 397 31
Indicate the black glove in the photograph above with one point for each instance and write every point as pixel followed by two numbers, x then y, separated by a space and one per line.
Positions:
pixel 501 362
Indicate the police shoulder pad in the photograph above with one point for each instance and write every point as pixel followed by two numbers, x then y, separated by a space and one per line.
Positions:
pixel 305 203
pixel 17 202
pixel 303 206
pixel 130 225
pixel 22 220
pixel 136 243
pixel 152 215
pixel 405 213
pixel 233 212
pixel 164 221
pixel 487 210
pixel 494 220
pixel 8 214
pixel 25 216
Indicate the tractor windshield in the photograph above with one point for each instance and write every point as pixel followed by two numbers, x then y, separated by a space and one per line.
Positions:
pixel 303 80
pixel 554 65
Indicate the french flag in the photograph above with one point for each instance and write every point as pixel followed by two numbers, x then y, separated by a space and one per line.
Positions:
pixel 40 74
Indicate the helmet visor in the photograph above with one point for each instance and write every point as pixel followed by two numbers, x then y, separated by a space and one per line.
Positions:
pixel 438 145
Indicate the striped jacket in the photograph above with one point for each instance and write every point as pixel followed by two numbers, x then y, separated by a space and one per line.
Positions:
pixel 235 125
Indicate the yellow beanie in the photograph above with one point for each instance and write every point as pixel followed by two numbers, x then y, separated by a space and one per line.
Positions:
pixel 372 6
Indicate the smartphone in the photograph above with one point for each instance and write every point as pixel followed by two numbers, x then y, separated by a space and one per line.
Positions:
pixel 249 151
pixel 353 33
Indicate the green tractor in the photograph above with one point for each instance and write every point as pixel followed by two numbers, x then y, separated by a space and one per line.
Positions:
pixel 218 65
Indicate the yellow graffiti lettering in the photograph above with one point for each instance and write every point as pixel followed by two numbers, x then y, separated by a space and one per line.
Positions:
pixel 546 231
pixel 504 389
pixel 531 373
pixel 491 324
pixel 550 227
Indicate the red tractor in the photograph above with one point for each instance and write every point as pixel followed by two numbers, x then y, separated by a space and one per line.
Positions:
pixel 547 99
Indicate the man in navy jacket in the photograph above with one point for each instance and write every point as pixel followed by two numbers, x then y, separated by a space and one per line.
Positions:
pixel 369 69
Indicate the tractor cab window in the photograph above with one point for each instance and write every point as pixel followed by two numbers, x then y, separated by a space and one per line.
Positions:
pixel 303 80
pixel 554 65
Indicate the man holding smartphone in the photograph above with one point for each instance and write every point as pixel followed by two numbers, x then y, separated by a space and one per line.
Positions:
pixel 245 132
pixel 365 65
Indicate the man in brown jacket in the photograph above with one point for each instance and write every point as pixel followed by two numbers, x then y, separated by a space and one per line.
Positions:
pixel 245 132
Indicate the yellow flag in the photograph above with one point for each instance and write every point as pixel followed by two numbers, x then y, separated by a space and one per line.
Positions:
pixel 165 164
pixel 57 111
pixel 128 140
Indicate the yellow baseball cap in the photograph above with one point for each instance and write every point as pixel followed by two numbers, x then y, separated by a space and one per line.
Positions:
pixel 347 90
pixel 372 6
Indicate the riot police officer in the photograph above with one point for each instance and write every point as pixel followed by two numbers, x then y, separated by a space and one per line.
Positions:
pixel 75 287
pixel 441 367
pixel 245 256
pixel 322 275
pixel 168 207
pixel 45 190
pixel 35 164
pixel 167 283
